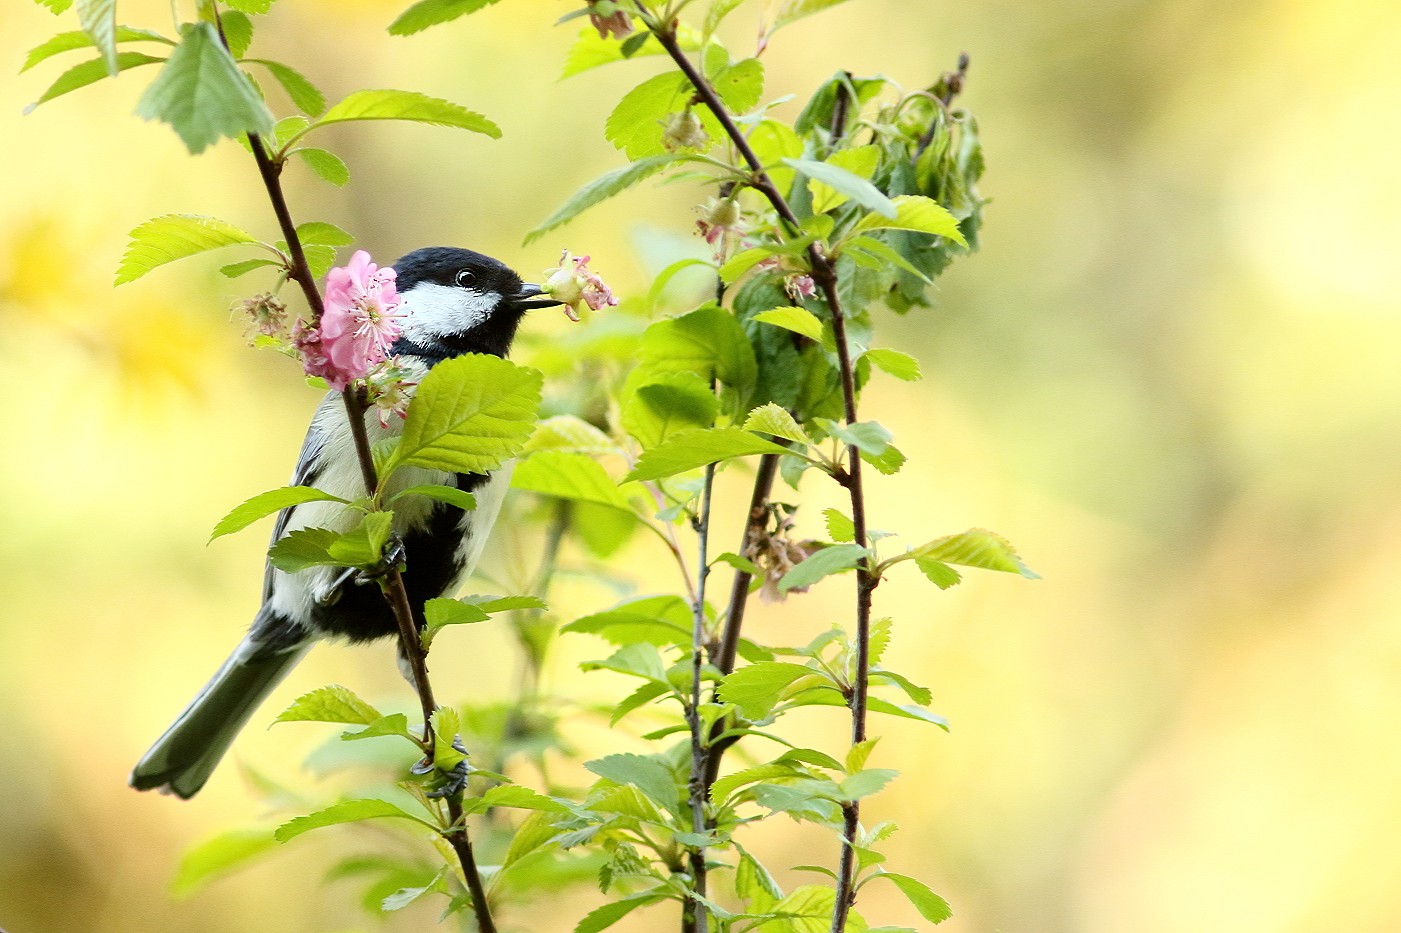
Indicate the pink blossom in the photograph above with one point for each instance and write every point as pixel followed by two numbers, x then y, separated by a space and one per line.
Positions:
pixel 574 284
pixel 721 223
pixel 359 325
pixel 616 23
pixel 800 286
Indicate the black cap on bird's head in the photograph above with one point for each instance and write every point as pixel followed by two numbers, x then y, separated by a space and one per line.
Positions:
pixel 458 301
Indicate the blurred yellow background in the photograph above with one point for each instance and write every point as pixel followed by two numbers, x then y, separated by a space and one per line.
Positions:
pixel 1170 377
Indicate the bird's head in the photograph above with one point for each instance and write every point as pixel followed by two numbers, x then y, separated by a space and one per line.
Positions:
pixel 458 301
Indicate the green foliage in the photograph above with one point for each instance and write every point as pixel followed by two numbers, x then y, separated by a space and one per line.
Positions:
pixel 332 703
pixel 406 105
pixel 601 189
pixel 265 504
pixel 203 95
pixel 91 72
pixel 687 450
pixel 78 39
pixel 350 811
pixel 99 21
pixel 305 95
pixel 175 236
pixel 427 13
pixel 219 856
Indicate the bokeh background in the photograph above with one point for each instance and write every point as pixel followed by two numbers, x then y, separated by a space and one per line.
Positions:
pixel 1171 377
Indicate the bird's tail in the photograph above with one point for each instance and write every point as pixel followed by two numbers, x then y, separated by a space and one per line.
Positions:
pixel 183 758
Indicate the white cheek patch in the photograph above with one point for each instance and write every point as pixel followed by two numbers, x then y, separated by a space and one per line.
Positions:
pixel 440 310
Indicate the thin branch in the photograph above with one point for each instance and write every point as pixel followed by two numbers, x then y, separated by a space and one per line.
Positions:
pixel 699 920
pixel 825 276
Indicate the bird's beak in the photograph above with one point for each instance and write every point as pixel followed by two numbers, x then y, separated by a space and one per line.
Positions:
pixel 528 299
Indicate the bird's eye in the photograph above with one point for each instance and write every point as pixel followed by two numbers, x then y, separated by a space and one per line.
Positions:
pixel 465 278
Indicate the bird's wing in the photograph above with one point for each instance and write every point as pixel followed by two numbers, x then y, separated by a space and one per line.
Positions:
pixel 307 469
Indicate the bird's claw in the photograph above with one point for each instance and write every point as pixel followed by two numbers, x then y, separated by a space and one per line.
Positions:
pixel 449 783
pixel 392 557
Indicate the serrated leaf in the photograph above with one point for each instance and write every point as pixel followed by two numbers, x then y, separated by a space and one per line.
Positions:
pixel 922 696
pixel 332 703
pixel 637 123
pixel 326 164
pixel 792 10
pixel 495 604
pixel 427 13
pixel 913 212
pixel 406 896
pixel 774 419
pixel 741 85
pixel 638 698
pixel 601 918
pixel 570 433
pixel 939 573
pixel 407 105
pixel 900 365
pixel 708 342
pixel 860 161
pixel 839 527
pixel 654 779
pixel 350 811
pixel 202 94
pixel 99 20
pixel 846 183
pixel 303 548
pixel 77 39
pixel 865 783
pixel 601 189
pixel 218 856
pixel 656 620
pixel 55 6
pixel 931 906
pixel 869 437
pixel 235 269
pixel 824 563
pixel 468 415
pixel 304 95
pixel 591 50
pixel 90 72
pixel 393 724
pixel 976 547
pixel 441 612
pixel 521 798
pixel 266 503
pixel 690 449
pixel 446 726
pixel 727 785
pixel 258 7
pixel 756 688
pixel 577 477
pixel 174 237
pixel 237 30
pixel 657 405
pixel 857 755
pixel 363 545
pixel 450 495
pixel 884 252
pixel 887 463
pixel 743 261
pixel 799 320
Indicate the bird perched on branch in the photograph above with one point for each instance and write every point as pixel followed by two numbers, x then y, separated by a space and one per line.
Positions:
pixel 452 302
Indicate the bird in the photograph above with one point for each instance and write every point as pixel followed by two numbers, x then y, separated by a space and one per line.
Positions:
pixel 453 301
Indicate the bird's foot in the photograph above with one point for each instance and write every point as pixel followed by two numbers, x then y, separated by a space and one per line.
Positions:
pixel 449 782
pixel 390 559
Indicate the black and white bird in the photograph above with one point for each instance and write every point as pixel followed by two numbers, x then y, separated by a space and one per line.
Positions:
pixel 454 302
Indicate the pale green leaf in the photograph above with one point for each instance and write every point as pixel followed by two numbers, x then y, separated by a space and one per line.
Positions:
pixel 799 320
pixel 847 183
pixel 570 433
pixel 203 95
pixel 860 161
pixel 939 573
pixel 407 105
pixel 174 236
pixel 657 405
pixel 648 775
pixel 569 476
pixel 326 164
pixel 900 365
pixel 449 495
pixel 913 212
pixel 332 703
pixel 469 414
pixel 235 269
pixel 427 13
pixel 90 72
pixel 77 39
pixel 931 906
pixel 217 857
pixel 774 419
pixel 690 449
pixel 305 95
pixel 824 563
pixel 796 9
pixel 303 548
pixel 757 688
pixel 976 547
pixel 839 527
pixel 349 811
pixel 99 20
pixel 601 918
pixel 264 504
pixel 637 124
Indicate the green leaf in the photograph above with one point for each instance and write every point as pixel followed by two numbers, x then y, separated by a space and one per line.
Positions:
pixel 442 612
pixel 427 13
pixel 743 261
pixel 839 527
pixel 174 236
pixel 648 775
pixel 742 564
pixel 976 548
pixel 55 6
pixel 857 755
pixel 601 918
pixel 305 95
pixel 690 449
pixel 887 463
pixel 637 124
pixel 264 504
pixel 824 563
pixel 363 545
pixel 601 189
pixel 446 725
pixel 99 20
pixel 939 573
pixel 77 39
pixel 406 896
pixel 494 604
pixel 774 419
pixel 796 9
pixel 257 7
pixel 879 251
pixel 725 786
pixel 217 857
pixel 865 783
pixel 393 724
pixel 757 688
pixel 920 695
pixel 799 320
pixel 809 908
pixel 658 405
pixel 407 105
pixel 350 811
pixel 439 493
pixel 656 620
pixel 709 342
pixel 741 85
pixel 303 548
pixel 931 906
pixel 847 183
pixel 564 475
pixel 639 697
pixel 521 798
pixel 572 434
pixel 203 95
pixel 319 258
pixel 332 703
pixel 900 365
pixel 235 269
pixel 860 161
pixel 636 660
pixel 469 415
pixel 719 9
pixel 913 212
pixel 238 32
pixel 91 72
pixel 326 164
pixel 904 711
pixel 869 437
pixel 591 50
